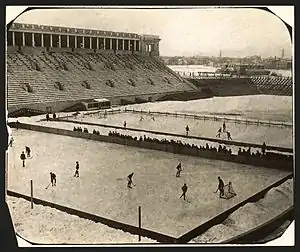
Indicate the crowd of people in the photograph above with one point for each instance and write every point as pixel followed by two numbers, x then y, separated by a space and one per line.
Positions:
pixel 207 147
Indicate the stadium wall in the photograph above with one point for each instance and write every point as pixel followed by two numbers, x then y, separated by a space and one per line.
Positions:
pixel 249 160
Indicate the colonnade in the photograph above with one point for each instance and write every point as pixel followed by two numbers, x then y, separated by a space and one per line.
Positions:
pixel 19 38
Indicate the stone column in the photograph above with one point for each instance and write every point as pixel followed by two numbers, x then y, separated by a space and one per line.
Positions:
pixel 97 42
pixel 13 38
pixel 51 45
pixel 123 44
pixel 23 39
pixel 91 47
pixel 32 40
pixel 42 40
pixel 110 44
pixel 117 44
pixel 75 40
pixel 104 44
pixel 68 41
pixel 82 42
pixel 59 40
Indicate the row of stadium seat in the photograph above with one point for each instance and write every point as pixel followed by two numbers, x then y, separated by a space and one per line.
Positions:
pixel 85 76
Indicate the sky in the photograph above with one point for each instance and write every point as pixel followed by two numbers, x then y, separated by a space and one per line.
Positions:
pixel 183 32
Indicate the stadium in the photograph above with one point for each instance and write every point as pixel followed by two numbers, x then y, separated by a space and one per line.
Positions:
pixel 107 100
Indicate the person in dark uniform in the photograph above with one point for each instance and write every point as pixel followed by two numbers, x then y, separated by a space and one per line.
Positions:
pixel 184 190
pixel 27 149
pixel 224 127
pixel 124 124
pixel 54 116
pixel 187 129
pixel 23 157
pixel 178 170
pixel 53 178
pixel 219 132
pixel 77 170
pixel 221 187
pixel 47 117
pixel 130 180
pixel 229 135
pixel 263 148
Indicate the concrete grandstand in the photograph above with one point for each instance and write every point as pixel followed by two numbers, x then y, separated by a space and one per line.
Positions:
pixel 53 68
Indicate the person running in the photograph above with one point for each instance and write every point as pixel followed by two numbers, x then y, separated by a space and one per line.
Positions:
pixel 53 178
pixel 219 132
pixel 184 190
pixel 153 118
pixel 224 127
pixel 229 135
pixel 27 149
pixel 187 129
pixel 178 170
pixel 77 170
pixel 130 183
pixel 23 157
pixel 124 124
pixel 221 187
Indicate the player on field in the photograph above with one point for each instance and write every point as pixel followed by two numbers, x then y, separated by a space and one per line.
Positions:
pixel 219 132
pixel 184 190
pixel 129 185
pixel 178 170
pixel 77 170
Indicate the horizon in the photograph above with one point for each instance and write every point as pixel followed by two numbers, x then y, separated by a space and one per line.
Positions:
pixel 237 32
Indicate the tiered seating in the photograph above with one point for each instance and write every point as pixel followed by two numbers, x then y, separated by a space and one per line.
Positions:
pixel 85 76
pixel 273 85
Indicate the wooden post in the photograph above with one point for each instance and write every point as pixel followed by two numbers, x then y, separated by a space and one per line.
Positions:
pixel 31 193
pixel 140 222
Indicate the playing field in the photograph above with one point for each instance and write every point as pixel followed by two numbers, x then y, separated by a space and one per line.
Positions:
pixel 102 186
pixel 274 135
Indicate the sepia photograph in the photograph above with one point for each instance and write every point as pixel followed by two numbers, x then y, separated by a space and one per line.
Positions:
pixel 146 126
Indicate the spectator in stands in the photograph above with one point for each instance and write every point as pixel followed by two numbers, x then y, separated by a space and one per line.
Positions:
pixel 187 129
pixel 23 157
pixel 249 151
pixel 47 117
